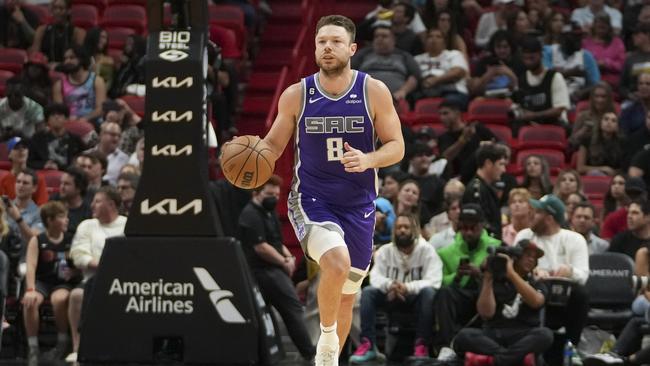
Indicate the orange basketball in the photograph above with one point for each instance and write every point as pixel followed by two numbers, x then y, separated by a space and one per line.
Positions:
pixel 247 162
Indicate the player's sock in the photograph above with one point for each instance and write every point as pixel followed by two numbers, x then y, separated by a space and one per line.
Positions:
pixel 32 342
pixel 328 335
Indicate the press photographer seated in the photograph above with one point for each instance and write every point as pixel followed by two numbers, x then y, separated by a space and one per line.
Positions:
pixel 509 303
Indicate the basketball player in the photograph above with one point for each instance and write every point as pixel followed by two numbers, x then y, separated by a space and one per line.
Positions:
pixel 335 114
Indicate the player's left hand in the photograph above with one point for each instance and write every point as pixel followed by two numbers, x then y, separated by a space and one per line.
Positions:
pixel 354 161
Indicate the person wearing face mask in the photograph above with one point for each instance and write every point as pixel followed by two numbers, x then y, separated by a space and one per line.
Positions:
pixel 405 276
pixel 271 263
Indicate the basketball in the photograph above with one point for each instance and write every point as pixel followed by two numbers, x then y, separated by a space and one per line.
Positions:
pixel 247 162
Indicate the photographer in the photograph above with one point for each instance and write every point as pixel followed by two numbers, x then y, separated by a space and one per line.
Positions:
pixel 509 303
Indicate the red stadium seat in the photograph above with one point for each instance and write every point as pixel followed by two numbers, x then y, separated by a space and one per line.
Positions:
pixel 437 127
pixel 229 12
pixel 79 128
pixel 543 137
pixel 12 59
pixel 583 105
pixel 117 36
pixel 426 110
pixel 489 111
pixel 237 27
pixel 129 16
pixel 595 187
pixel 84 16
pixel 504 134
pixel 142 3
pixel 227 40
pixel 555 159
pixel 42 12
pixel 101 5
pixel 4 76
pixel 52 179
pixel 136 103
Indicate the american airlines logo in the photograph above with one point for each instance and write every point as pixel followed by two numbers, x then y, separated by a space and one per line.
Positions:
pixel 219 298
pixel 171 150
pixel 172 82
pixel 171 116
pixel 170 206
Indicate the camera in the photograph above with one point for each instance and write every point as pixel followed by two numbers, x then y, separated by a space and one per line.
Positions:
pixel 496 264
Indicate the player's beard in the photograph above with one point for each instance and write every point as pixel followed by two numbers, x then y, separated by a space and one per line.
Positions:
pixel 332 69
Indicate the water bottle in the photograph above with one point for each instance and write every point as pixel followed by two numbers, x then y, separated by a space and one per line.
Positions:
pixel 62 265
pixel 568 354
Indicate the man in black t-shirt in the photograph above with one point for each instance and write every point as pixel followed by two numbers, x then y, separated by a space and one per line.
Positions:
pixel 271 262
pixel 637 234
pixel 510 305
pixel 640 166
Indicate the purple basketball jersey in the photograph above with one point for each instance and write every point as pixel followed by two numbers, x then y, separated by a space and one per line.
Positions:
pixel 325 124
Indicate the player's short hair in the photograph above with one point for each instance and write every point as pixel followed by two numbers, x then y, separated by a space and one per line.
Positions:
pixel 339 21
pixel 51 210
pixel 275 180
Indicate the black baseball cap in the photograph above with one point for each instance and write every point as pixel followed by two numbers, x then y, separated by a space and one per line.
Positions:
pixel 471 212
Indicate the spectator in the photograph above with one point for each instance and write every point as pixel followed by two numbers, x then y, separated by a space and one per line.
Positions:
pixel 396 68
pixel 384 221
pixel 391 185
pixel 566 256
pixel 86 250
pixel 583 222
pixel 607 48
pixel 54 148
pixel 131 70
pixel 510 306
pixel 94 164
pixel 18 25
pixel 427 135
pixel 96 45
pixel 80 89
pixel 19 115
pixel 519 26
pixel 521 215
pixel 492 21
pixel 567 182
pixel 445 237
pixel 460 141
pixel 496 73
pixel 637 234
pixel 272 264
pixel 641 304
pixel 448 25
pixel 441 222
pixel 72 191
pixel 602 152
pixel 576 64
pixel 408 198
pixel 23 215
pixel 615 197
pixel 127 184
pixel 554 26
pixel 637 141
pixel 382 12
pixel 628 349
pixel 36 81
pixel 456 301
pixel 586 15
pixel 491 161
pixel 601 101
pixel 573 200
pixel 640 166
pixel 405 276
pixel 537 179
pixel 59 35
pixel 137 158
pixel 636 62
pixel 616 221
pixel 634 112
pixel 543 96
pixel 49 276
pixel 120 112
pixel 539 12
pixel 431 187
pixel 405 38
pixel 18 149
pixel 109 139
pixel 443 70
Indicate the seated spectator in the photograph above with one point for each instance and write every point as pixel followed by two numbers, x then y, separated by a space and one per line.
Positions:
pixel 49 276
pixel 510 306
pixel 405 38
pixel 86 251
pixel 443 71
pixel 384 221
pixel 54 148
pixel 382 12
pixel 491 161
pixel 601 101
pixel 405 276
pixel 448 25
pixel 628 348
pixel 521 215
pixel 396 68
pixel 638 140
pixel 19 115
pixel 18 149
pixel 616 222
pixel 445 237
pixel 496 73
pixel 543 96
pixel 566 256
pixel 17 25
pixel 615 197
pixel 455 303
pixel 22 214
pixel 567 182
pixel 60 34
pixel 583 222
pixel 94 164
pixel 109 138
pixel 637 62
pixel 460 141
pixel 607 48
pixel 131 70
pixel 586 15
pixel 36 81
pixel 641 304
pixel 519 26
pixel 633 113
pixel 137 158
pixel 576 64
pixel 431 186
pixel 408 198
pixel 96 45
pixel 127 184
pixel 492 21
pixel 391 185
pixel 427 135
pixel 602 152
pixel 441 222
pixel 539 12
pixel 120 112
pixel 537 179
pixel 637 234
pixel 554 26
pixel 640 166
pixel 72 191
pixel 80 89
pixel 573 200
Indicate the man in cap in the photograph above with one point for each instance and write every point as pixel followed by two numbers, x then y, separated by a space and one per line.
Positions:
pixel 455 303
pixel 18 154
pixel 566 257
pixel 616 222
pixel 510 307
